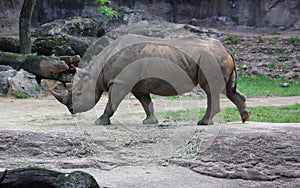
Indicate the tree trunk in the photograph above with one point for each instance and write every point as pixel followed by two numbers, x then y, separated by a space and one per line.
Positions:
pixel 38 177
pixel 24 26
pixel 61 69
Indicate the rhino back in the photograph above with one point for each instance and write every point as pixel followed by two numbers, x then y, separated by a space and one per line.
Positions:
pixel 184 54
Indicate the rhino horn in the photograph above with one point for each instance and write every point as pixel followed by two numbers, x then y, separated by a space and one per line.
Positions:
pixel 60 97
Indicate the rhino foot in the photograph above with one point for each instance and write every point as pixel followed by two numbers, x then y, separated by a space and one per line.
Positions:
pixel 150 120
pixel 246 115
pixel 102 121
pixel 205 122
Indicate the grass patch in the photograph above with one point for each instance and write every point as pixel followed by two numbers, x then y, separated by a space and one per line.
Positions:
pixel 265 86
pixel 21 95
pixel 233 39
pixel 277 114
pixel 252 86
pixel 281 114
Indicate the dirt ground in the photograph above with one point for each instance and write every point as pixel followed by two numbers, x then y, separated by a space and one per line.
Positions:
pixel 41 132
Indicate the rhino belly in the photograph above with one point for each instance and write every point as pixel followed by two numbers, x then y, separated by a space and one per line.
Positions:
pixel 164 88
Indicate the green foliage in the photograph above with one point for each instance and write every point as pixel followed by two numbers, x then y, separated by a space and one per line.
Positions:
pixel 273 114
pixel 53 56
pixel 34 54
pixel 282 58
pixel 264 86
pixel 260 39
pixel 277 114
pixel 295 41
pixel 21 95
pixel 274 41
pixel 233 39
pixel 254 49
pixel 106 11
pixel 272 65
pixel 247 44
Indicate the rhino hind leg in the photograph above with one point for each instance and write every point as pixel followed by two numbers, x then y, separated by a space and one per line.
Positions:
pixel 147 104
pixel 240 101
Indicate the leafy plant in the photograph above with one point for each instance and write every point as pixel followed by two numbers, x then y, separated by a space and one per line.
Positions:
pixel 282 58
pixel 106 11
pixel 233 39
pixel 272 65
pixel 34 54
pixel 21 95
pixel 260 39
pixel 254 49
pixel 53 56
pixel 274 41
pixel 247 43
pixel 295 41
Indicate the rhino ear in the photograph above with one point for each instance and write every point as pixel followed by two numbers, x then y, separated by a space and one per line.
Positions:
pixel 60 97
pixel 81 72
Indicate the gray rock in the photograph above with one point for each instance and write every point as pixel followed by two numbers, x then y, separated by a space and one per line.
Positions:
pixel 60 46
pixel 23 82
pixel 76 26
pixel 4 75
pixel 5 68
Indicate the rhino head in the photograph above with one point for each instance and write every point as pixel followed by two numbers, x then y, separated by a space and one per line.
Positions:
pixel 80 95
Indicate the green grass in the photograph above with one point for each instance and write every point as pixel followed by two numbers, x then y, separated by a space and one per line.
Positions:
pixel 265 86
pixel 281 114
pixel 251 86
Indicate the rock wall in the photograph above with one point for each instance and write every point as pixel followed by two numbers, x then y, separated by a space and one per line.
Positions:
pixel 9 13
pixel 273 13
pixel 251 13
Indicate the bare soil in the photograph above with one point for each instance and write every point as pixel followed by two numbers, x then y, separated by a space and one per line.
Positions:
pixel 41 132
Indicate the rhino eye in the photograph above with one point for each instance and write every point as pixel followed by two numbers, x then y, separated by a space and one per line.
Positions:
pixel 78 94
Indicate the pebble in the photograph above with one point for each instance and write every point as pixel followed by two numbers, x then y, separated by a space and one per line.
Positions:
pixel 285 84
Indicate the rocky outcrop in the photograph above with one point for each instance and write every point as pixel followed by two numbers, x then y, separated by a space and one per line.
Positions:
pixel 9 15
pixel 23 82
pixel 251 13
pixel 5 73
pixel 77 26
pixel 259 13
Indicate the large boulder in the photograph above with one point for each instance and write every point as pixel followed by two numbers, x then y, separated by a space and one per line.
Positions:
pixel 76 26
pixel 23 82
pixel 5 73
pixel 9 44
pixel 61 46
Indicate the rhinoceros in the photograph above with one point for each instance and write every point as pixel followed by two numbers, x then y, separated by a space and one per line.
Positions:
pixel 146 65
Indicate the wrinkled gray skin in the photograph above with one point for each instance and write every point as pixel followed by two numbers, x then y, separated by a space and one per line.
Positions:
pixel 143 65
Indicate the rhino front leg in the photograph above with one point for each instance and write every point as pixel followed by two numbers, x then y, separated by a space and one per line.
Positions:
pixel 147 104
pixel 115 96
pixel 104 119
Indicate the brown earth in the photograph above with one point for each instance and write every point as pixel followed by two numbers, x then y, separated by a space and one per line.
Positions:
pixel 41 132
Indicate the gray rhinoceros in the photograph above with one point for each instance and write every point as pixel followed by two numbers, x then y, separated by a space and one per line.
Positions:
pixel 143 65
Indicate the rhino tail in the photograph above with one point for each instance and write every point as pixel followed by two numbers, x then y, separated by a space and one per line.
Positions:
pixel 233 76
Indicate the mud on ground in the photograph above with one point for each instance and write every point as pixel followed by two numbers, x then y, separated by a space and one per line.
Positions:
pixel 41 132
